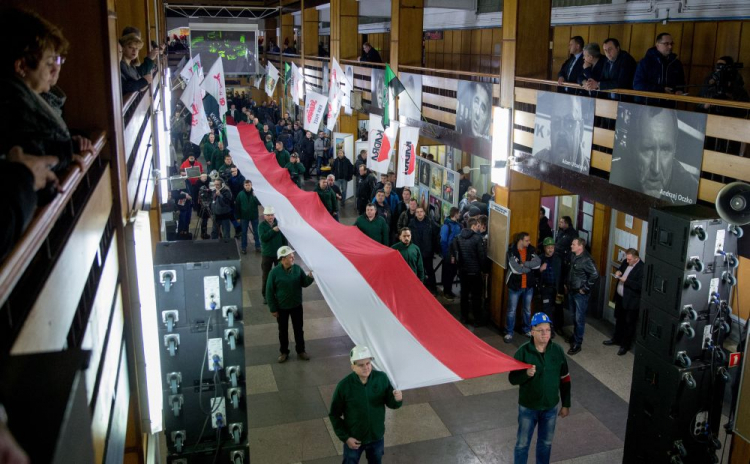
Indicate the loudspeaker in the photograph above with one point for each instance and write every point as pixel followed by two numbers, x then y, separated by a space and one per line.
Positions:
pixel 674 413
pixel 733 203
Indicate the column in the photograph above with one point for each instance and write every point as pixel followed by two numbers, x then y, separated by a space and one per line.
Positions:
pixel 407 17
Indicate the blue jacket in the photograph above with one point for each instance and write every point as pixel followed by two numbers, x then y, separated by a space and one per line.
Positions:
pixel 391 201
pixel 448 232
pixel 655 72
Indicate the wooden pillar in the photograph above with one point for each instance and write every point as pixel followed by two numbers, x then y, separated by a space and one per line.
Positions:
pixel 407 17
pixel 287 30
pixel 344 24
pixel 134 13
pixel 523 197
pixel 310 30
pixel 270 25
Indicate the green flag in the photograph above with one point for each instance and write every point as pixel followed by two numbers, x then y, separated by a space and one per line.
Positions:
pixel 287 73
pixel 392 88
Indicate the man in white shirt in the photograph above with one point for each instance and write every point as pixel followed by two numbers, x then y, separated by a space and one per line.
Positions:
pixel 627 301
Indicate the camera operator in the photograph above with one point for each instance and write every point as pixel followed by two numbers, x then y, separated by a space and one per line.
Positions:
pixel 221 207
pixel 724 83
pixel 184 202
pixel 203 204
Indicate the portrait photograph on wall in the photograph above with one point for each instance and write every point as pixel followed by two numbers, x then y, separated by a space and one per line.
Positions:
pixel 436 181
pixel 564 130
pixel 410 101
pixel 659 152
pixel 436 209
pixel 424 197
pixel 424 172
pixel 474 109
pixel 377 82
pixel 449 186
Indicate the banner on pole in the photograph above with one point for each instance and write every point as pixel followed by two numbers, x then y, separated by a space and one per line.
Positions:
pixel 315 105
pixel 407 156
pixel 380 146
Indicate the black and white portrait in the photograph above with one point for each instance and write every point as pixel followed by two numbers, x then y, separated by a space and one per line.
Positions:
pixel 564 130
pixel 474 109
pixel 658 152
pixel 410 101
pixel 377 82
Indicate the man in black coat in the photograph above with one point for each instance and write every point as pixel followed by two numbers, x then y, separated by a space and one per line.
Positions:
pixel 425 234
pixel 307 150
pixel 573 66
pixel 565 235
pixel 627 301
pixel 660 71
pixel 468 251
pixel 365 188
pixel 369 54
pixel 618 71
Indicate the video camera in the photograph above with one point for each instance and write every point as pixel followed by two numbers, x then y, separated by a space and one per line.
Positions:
pixel 205 194
pixel 724 76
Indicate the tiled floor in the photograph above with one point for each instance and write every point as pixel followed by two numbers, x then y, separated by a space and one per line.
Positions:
pixel 473 421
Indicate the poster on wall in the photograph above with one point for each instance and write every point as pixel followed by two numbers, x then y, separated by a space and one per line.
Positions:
pixel 449 186
pixel 424 172
pixel 659 152
pixel 564 130
pixel 410 101
pixel 349 75
pixel 377 82
pixel 446 210
pixel 436 181
pixel 424 197
pixel 436 209
pixel 474 109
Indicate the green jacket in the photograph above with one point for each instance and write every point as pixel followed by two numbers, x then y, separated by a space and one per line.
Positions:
pixel 413 258
pixel 328 197
pixel 296 171
pixel 270 240
pixel 224 167
pixel 259 126
pixel 218 158
pixel 551 381
pixel 358 410
pixel 246 205
pixel 208 150
pixel 377 229
pixel 282 157
pixel 284 288
pixel 263 135
pixel 269 146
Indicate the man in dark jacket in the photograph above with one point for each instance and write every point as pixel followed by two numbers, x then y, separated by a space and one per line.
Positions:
pixel 426 236
pixel 296 169
pixel 384 209
pixel 593 68
pixel 369 54
pixel 522 262
pixel 327 197
pixel 564 238
pixel 468 251
pixel 246 210
pixel 544 229
pixel 307 153
pixel 627 301
pixel 373 225
pixel 282 156
pixel 573 66
pixel 410 252
pixel 271 239
pixel 618 71
pixel 365 188
pixel 361 159
pixel 342 170
pixel 357 411
pixel 448 232
pixel 660 71
pixel 551 284
pixel 221 207
pixel 581 281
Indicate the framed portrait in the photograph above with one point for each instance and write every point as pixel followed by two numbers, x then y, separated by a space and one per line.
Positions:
pixel 377 83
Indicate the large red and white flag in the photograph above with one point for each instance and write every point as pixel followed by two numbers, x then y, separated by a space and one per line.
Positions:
pixel 407 156
pixel 193 100
pixel 214 85
pixel 373 293
pixel 380 145
pixel 315 106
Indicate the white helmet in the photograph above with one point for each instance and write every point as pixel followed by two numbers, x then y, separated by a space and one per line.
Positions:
pixel 283 251
pixel 359 353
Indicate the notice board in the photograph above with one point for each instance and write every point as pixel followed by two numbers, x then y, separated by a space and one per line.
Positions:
pixel 499 226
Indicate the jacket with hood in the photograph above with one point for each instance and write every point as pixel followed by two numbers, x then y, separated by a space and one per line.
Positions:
pixel 468 250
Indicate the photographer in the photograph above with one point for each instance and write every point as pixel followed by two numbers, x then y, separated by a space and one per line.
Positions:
pixel 724 83
pixel 184 202
pixel 221 207
pixel 203 205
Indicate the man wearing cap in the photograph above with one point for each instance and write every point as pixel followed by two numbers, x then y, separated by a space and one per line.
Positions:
pixel 296 169
pixel 358 408
pixel 550 283
pixel 271 239
pixel 541 387
pixel 284 293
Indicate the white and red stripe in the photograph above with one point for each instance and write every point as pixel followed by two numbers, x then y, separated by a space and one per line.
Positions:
pixel 372 291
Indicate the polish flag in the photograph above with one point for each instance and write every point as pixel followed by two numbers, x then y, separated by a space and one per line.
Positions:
pixel 373 293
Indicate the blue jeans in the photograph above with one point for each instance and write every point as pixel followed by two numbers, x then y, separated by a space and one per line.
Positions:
pixel 224 224
pixel 373 451
pixel 578 304
pixel 183 224
pixel 528 419
pixel 243 236
pixel 342 184
pixel 527 294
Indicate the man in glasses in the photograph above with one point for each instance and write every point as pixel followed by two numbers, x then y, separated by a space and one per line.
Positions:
pixel 566 137
pixel 542 386
pixel 660 71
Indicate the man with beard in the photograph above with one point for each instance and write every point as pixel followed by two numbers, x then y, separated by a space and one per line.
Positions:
pixel 566 137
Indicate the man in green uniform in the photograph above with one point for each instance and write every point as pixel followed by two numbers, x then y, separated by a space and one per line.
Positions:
pixel 410 252
pixel 284 293
pixel 373 225
pixel 542 386
pixel 296 169
pixel 358 408
pixel 282 156
pixel 271 239
pixel 327 197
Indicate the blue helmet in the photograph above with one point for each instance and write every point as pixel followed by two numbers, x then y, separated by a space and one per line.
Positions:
pixel 540 318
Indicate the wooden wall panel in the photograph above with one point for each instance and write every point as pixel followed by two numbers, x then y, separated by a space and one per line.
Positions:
pixel 705 34
pixel 728 39
pixel 582 30
pixel 560 38
pixel 622 33
pixel 641 39
pixel 598 33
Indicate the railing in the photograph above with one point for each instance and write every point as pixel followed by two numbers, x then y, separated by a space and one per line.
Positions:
pixel 38 230
pixel 432 72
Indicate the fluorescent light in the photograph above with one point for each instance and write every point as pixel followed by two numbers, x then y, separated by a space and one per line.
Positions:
pixel 501 127
pixel 144 264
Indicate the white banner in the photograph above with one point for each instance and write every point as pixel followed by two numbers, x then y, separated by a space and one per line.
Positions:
pixel 300 84
pixel 272 77
pixel 187 72
pixel 258 78
pixel 315 105
pixel 193 100
pixel 295 84
pixel 380 146
pixel 214 85
pixel 347 89
pixel 407 156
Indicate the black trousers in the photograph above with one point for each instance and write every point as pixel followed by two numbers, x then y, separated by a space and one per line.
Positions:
pixel 471 288
pixel 361 205
pixel 552 309
pixel 266 264
pixel 299 334
pixel 429 273
pixel 448 276
pixel 626 322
